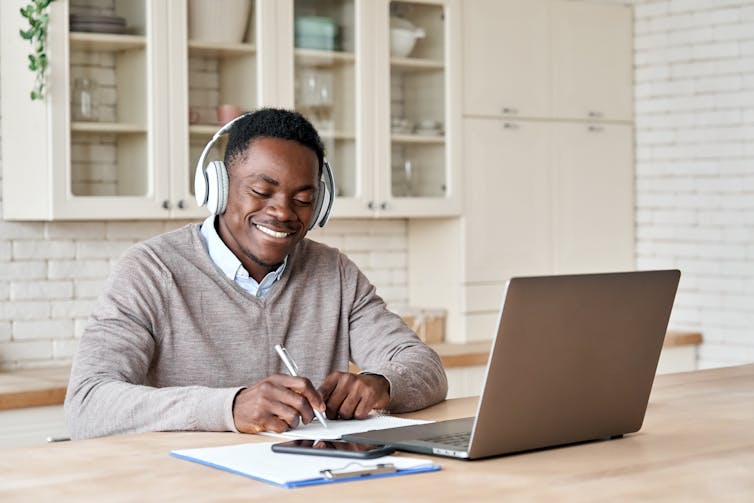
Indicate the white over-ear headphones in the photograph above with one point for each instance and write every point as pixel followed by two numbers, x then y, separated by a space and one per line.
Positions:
pixel 211 183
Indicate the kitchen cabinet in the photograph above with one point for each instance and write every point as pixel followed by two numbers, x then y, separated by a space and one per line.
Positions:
pixel 508 204
pixel 547 59
pixel 548 169
pixel 593 197
pixel 159 85
pixel 56 166
pixel 516 81
pixel 592 61
pixel 209 68
pixel 541 197
pixel 385 164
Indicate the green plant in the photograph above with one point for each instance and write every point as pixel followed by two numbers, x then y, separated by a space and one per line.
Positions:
pixel 36 13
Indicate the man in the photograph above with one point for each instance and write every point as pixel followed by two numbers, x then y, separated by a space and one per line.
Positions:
pixel 183 336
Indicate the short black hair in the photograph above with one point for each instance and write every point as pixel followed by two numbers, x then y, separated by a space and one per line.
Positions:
pixel 271 123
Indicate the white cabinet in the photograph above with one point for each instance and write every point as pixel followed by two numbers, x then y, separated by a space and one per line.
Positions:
pixel 506 57
pixel 592 54
pixel 207 71
pixel 57 165
pixel 159 86
pixel 547 59
pixel 384 163
pixel 508 198
pixel 593 197
pixel 548 168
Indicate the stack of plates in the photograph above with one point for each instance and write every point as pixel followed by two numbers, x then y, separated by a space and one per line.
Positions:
pixel 98 24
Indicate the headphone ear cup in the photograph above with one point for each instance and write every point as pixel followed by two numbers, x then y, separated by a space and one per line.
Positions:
pixel 317 213
pixel 217 187
pixel 200 186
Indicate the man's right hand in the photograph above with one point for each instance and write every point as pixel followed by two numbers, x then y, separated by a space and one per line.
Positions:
pixel 275 404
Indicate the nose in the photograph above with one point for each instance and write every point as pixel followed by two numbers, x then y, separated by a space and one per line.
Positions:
pixel 280 208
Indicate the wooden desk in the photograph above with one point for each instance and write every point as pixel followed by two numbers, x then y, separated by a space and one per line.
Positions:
pixel 697 444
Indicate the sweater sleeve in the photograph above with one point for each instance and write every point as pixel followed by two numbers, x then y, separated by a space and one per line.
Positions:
pixel 107 392
pixel 381 343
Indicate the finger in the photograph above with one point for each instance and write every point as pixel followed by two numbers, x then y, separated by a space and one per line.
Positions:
pixel 336 397
pixel 350 403
pixel 270 405
pixel 303 387
pixel 328 385
pixel 364 408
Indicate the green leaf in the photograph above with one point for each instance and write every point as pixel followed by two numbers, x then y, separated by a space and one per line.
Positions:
pixel 26 35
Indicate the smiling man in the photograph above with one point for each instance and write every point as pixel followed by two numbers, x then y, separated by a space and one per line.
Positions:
pixel 183 335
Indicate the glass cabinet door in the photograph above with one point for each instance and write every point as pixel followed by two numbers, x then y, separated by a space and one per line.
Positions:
pixel 221 77
pixel 109 114
pixel 418 118
pixel 325 82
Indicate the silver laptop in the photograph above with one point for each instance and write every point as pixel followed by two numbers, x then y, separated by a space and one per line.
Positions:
pixel 573 360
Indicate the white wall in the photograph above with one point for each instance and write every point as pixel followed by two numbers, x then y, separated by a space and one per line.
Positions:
pixel 694 101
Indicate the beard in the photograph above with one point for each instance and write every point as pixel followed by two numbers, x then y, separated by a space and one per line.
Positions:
pixel 259 261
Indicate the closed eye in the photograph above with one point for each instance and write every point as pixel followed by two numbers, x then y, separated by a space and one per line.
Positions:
pixel 302 202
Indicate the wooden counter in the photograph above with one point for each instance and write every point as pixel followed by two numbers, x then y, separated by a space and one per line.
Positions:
pixel 33 387
pixel 476 353
pixel 696 444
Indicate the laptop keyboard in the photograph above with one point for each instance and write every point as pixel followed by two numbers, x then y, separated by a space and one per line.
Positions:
pixel 460 440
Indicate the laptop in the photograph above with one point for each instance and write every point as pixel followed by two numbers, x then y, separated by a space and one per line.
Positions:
pixel 573 360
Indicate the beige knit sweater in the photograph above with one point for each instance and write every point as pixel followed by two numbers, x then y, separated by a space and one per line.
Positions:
pixel 172 340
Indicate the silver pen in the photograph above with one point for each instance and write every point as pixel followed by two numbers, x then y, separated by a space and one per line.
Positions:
pixel 293 370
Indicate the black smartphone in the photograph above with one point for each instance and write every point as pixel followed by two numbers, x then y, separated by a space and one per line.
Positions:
pixel 338 448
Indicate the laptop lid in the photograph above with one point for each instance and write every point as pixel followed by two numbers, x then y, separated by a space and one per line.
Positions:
pixel 573 359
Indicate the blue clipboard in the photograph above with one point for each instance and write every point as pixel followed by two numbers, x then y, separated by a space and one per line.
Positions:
pixel 257 461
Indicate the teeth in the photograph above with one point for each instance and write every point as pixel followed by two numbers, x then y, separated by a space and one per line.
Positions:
pixel 272 233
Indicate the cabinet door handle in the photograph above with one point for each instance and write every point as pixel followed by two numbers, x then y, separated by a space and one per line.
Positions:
pixel 383 205
pixel 510 125
pixel 166 204
pixel 594 114
pixel 509 110
pixel 595 129
pixel 181 204
pixel 370 205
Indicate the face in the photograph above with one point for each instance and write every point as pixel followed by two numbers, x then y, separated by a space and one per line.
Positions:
pixel 271 198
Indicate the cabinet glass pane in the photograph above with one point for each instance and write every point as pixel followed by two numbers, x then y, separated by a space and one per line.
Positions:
pixel 325 81
pixel 417 100
pixel 222 70
pixel 108 97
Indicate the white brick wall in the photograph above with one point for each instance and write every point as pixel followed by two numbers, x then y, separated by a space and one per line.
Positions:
pixel 695 164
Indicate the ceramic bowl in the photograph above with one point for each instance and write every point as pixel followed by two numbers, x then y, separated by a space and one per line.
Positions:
pixel 403 36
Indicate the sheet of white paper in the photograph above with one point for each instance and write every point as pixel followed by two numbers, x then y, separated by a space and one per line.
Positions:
pixel 338 428
pixel 257 460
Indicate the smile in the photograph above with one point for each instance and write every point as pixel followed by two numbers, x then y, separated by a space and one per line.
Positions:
pixel 272 233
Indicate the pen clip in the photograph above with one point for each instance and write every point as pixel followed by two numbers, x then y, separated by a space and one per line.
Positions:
pixel 347 472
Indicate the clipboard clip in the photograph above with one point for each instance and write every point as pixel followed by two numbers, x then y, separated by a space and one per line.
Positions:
pixel 348 471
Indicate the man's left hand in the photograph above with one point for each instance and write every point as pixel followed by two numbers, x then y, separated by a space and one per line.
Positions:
pixel 351 396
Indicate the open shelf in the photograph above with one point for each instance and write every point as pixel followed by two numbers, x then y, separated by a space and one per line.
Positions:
pixel 106 42
pixel 107 127
pixel 416 64
pixel 219 50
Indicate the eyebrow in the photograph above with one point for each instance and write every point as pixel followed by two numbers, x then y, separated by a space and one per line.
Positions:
pixel 276 183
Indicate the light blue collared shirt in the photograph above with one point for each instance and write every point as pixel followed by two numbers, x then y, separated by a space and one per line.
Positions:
pixel 231 267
